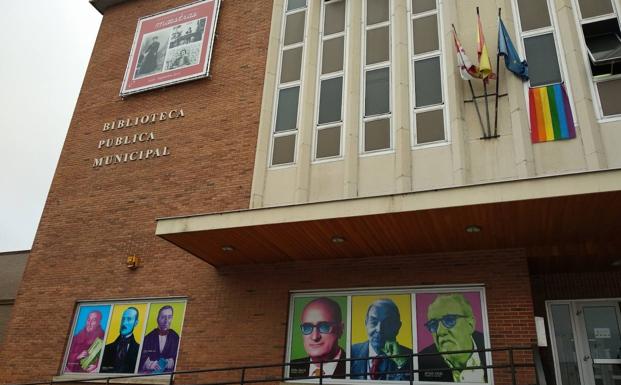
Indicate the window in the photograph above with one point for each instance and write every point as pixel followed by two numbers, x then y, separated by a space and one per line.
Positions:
pixel 288 95
pixel 94 340
pixel 426 59
pixel 329 125
pixel 411 317
pixel 599 23
pixel 538 36
pixel 377 133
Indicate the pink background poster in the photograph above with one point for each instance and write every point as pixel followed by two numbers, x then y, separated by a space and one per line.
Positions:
pixel 423 300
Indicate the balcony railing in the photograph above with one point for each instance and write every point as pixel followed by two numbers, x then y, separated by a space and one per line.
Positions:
pixel 512 359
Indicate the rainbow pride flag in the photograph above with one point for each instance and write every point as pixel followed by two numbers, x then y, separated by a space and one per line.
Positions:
pixel 550 114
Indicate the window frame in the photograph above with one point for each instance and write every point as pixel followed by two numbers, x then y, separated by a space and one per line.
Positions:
pixel 560 51
pixel 595 80
pixel 387 292
pixel 412 59
pixel 331 75
pixel 280 86
pixel 364 68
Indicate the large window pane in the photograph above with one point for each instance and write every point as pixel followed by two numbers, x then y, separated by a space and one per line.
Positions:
pixel 425 31
pixel 378 45
pixel 334 18
pixel 420 6
pixel 295 4
pixel 534 14
pixel 330 100
pixel 429 126
pixel 610 96
pixel 377 92
pixel 287 115
pixel 328 142
pixel 294 29
pixel 377 11
pixel 332 56
pixel 291 64
pixel 565 346
pixel 284 149
pixel 377 135
pixel 543 67
pixel 428 82
pixel 591 8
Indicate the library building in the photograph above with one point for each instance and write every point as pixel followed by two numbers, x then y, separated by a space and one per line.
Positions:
pixel 339 192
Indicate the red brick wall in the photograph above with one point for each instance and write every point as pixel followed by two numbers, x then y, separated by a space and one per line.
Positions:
pixel 95 218
pixel 584 285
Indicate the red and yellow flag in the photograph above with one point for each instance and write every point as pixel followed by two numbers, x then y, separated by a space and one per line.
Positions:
pixel 485 65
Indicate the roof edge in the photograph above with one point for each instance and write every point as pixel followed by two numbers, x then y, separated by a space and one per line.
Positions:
pixel 102 5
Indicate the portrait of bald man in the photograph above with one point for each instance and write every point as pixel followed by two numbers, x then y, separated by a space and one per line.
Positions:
pixel 321 325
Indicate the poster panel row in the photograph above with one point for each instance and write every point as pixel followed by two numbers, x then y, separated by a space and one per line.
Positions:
pixel 376 332
pixel 125 337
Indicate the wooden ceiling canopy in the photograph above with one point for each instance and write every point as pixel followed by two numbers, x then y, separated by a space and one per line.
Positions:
pixel 563 233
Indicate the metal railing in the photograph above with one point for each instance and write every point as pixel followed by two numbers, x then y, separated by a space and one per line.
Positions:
pixel 242 378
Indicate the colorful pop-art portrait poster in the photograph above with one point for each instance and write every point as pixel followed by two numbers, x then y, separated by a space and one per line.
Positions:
pixel 165 321
pixel 87 339
pixel 381 324
pixel 450 322
pixel 125 334
pixel 318 333
pixel 171 47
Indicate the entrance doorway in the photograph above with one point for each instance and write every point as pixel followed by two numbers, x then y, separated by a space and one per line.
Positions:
pixel 586 341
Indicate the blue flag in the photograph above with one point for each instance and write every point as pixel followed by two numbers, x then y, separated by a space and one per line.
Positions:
pixel 512 59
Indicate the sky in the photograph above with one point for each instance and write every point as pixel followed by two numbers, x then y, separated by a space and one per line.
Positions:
pixel 46 48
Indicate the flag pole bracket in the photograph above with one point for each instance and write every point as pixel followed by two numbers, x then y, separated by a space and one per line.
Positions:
pixel 483 96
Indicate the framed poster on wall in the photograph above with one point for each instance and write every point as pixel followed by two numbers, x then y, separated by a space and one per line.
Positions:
pixel 371 334
pixel 125 337
pixel 171 47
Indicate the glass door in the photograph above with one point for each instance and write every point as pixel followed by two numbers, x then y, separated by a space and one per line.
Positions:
pixel 599 332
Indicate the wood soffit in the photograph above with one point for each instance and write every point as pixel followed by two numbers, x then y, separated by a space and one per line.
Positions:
pixel 559 231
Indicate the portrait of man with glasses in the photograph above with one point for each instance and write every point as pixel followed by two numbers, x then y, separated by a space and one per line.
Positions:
pixel 452 324
pixel 321 326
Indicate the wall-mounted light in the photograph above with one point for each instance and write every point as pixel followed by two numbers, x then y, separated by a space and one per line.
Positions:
pixel 132 262
pixel 473 229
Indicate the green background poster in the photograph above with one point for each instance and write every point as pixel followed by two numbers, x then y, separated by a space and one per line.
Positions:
pixel 297 344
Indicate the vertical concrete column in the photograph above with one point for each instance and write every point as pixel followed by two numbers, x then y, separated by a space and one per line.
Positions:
pixel 518 110
pixel 352 108
pixel 457 93
pixel 401 99
pixel 307 103
pixel 588 127
pixel 267 108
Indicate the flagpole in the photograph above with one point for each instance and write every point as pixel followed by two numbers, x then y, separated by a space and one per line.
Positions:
pixel 497 79
pixel 474 99
pixel 489 125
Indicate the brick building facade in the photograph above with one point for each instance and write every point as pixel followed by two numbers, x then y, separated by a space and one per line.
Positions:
pixel 219 224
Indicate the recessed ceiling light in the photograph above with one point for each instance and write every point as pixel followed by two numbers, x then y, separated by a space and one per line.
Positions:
pixel 227 248
pixel 473 229
pixel 616 263
pixel 338 239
